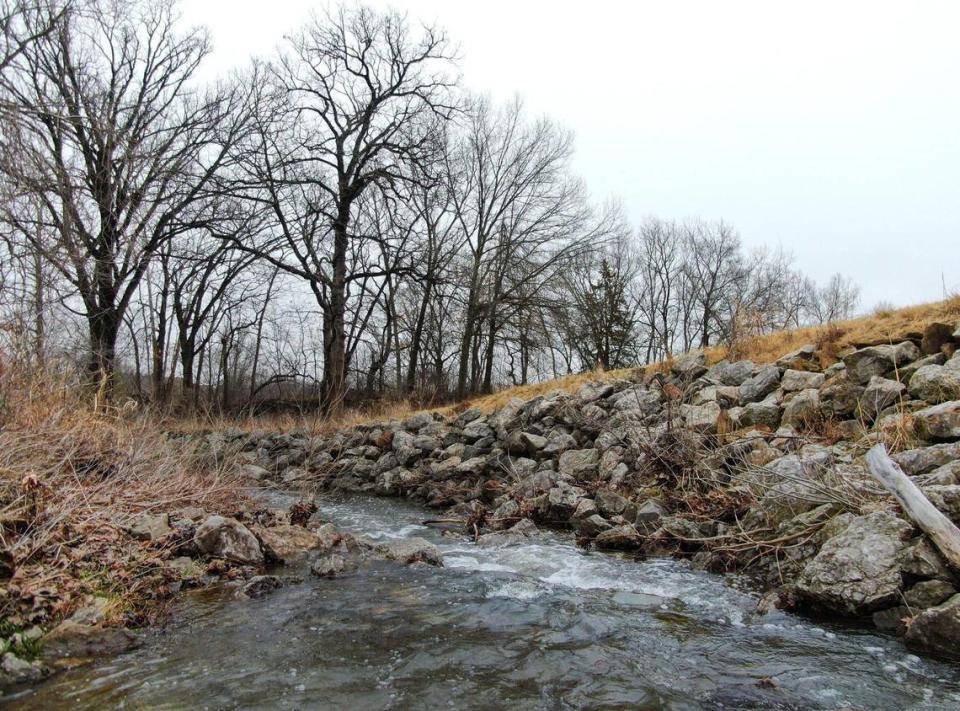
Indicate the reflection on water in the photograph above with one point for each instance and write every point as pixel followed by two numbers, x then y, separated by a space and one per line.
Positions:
pixel 538 625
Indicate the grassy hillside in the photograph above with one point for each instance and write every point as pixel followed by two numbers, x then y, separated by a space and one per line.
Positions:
pixel 887 326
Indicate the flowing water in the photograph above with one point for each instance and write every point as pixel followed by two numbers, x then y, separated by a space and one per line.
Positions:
pixel 541 625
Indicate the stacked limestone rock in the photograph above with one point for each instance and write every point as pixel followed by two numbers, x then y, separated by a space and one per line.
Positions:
pixel 694 463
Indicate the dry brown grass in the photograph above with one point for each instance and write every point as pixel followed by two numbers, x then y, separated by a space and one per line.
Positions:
pixel 70 480
pixel 887 326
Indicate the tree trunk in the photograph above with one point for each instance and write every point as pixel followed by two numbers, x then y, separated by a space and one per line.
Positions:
pixel 941 530
pixel 335 336
pixel 417 337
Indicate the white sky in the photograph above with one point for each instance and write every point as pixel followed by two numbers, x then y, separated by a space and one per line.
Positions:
pixel 829 128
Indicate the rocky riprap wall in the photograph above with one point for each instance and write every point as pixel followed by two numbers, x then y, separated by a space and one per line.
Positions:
pixel 738 466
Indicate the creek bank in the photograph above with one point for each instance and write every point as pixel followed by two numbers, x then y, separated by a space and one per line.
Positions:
pixel 736 466
pixel 190 549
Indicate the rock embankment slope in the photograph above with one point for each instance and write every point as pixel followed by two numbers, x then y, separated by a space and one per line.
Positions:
pixel 738 466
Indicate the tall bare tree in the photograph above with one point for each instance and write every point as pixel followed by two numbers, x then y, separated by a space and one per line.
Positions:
pixel 116 144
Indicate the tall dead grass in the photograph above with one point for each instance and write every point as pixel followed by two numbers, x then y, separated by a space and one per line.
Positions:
pixel 71 480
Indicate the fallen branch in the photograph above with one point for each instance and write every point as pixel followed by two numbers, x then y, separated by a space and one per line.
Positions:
pixel 941 530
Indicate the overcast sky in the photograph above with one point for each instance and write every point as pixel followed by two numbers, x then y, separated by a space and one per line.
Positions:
pixel 831 129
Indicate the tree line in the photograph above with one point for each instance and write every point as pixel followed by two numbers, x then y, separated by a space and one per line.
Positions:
pixel 339 221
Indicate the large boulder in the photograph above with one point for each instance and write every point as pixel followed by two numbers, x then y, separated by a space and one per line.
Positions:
pixel 702 418
pixel 75 640
pixel 734 374
pixel 804 358
pixel 803 409
pixel 412 550
pixel 935 384
pixel 638 400
pixel 857 571
pixel 689 366
pixel 404 448
pixel 840 396
pixel 579 463
pixel 150 527
pixel 880 394
pixel 926 459
pixel 760 385
pixel 765 413
pixel 939 423
pixel 865 363
pixel 796 380
pixel 227 538
pixel 624 537
pixel 935 337
pixel 281 542
pixel 937 630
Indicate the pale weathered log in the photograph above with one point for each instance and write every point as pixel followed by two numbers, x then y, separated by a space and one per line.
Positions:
pixel 941 530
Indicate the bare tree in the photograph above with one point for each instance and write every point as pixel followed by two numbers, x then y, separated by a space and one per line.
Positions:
pixel 353 107
pixel 115 144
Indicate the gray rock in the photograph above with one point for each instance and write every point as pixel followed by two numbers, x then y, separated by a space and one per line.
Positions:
pixel 253 472
pixel 937 629
pixel 260 585
pixel 624 537
pixel 926 459
pixel 292 475
pixel 284 541
pixel 638 400
pixel 592 525
pixel 559 442
pixel 404 448
pixel 475 466
pixel 476 431
pixel 79 641
pixel 946 475
pixel 879 394
pixel 418 421
pixel 760 385
pixel 935 384
pixel 804 358
pixel 412 550
pixel 14 670
pixel 857 571
pixel 865 363
pixel 610 503
pixel 922 560
pixel 150 527
pixel 908 371
pixel 689 366
pixel 701 418
pixel 229 539
pixel 731 373
pixel 797 380
pixel 524 527
pixel 649 515
pixel 506 514
pixel 563 500
pixel 840 396
pixel 427 443
pixel 330 566
pixel 579 463
pixel 766 413
pixel 591 392
pixel 946 498
pixel 803 409
pixel 467 416
pixel 585 509
pixel 928 593
pixel 939 422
